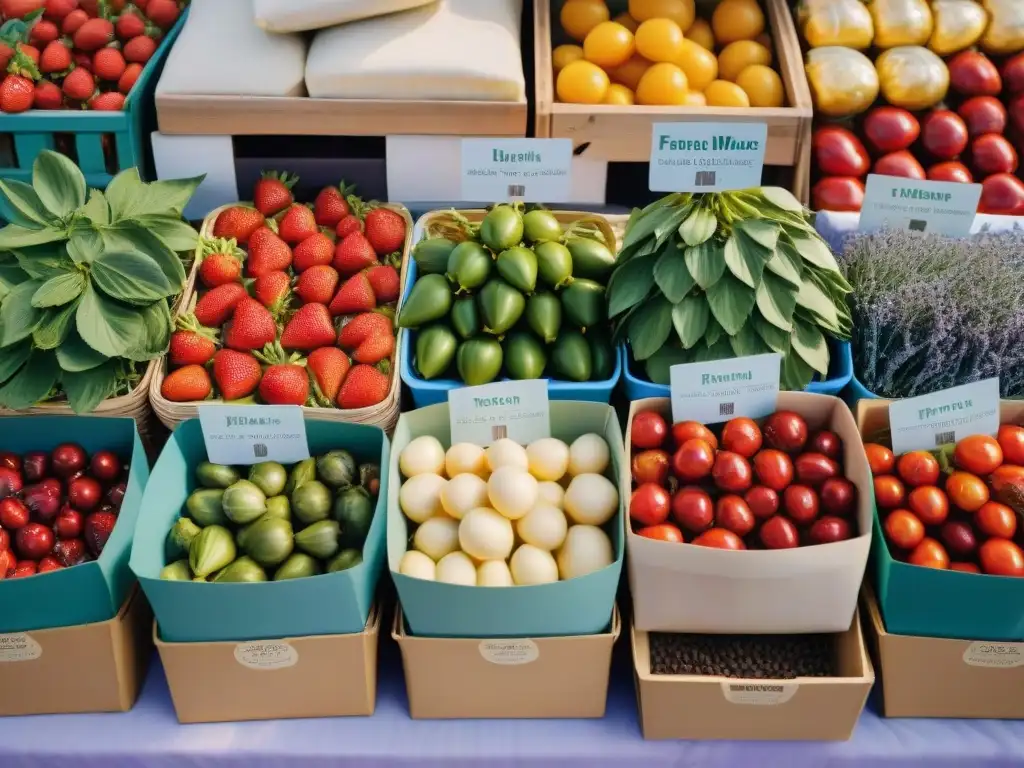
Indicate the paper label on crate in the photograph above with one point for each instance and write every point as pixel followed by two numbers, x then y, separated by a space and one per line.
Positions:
pixel 763 694
pixel 19 647
pixel 937 207
pixel 518 410
pixel 509 652
pixel 249 434
pixel 926 422
pixel 724 389
pixel 996 655
pixel 707 157
pixel 531 170
pixel 266 654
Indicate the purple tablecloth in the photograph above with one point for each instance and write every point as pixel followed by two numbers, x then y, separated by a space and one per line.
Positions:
pixel 150 737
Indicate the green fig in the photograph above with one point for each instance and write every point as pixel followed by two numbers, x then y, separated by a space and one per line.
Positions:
pixel 182 533
pixel 431 255
pixel 570 357
pixel 205 506
pixel 590 259
pixel 347 558
pixel 554 264
pixel 269 476
pixel 465 317
pixel 541 226
pixel 353 509
pixel 279 507
pixel 469 266
pixel 583 304
pixel 429 300
pixel 524 356
pixel 518 265
pixel 544 315
pixel 213 549
pixel 216 475
pixel 479 360
pixel 435 350
pixel 311 502
pixel 176 571
pixel 301 473
pixel 501 228
pixel 268 541
pixel 337 468
pixel 501 306
pixel 243 571
pixel 320 539
pixel 298 566
pixel 244 502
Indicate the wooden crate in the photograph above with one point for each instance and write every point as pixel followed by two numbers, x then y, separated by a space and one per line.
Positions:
pixel 623 134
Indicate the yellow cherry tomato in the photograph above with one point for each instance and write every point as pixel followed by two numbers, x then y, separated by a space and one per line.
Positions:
pixel 619 95
pixel 735 20
pixel 736 57
pixel 582 82
pixel 762 85
pixel 695 99
pixel 682 12
pixel 701 34
pixel 627 21
pixel 699 64
pixel 609 45
pixel 722 93
pixel 564 55
pixel 578 17
pixel 629 74
pixel 659 40
pixel 663 84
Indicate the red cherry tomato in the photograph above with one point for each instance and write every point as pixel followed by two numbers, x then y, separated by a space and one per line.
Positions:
pixel 983 114
pixel 829 530
pixel 663 532
pixel 693 430
pixel 649 505
pixel 649 430
pixel 773 469
pixel 838 193
pixel 719 538
pixel 650 466
pixel 890 129
pixel 827 443
pixel 1008 478
pixel 930 554
pixel 733 514
pixel 838 152
pixel 785 431
pixel 995 519
pixel 813 469
pixel 889 492
pixel 838 497
pixel 966 491
pixel 1000 557
pixel 964 567
pixel 763 502
pixel 903 529
pixel 741 436
pixel 880 459
pixel 952 171
pixel 1002 194
pixel 978 454
pixel 801 504
pixel 779 533
pixel 693 509
pixel 901 164
pixel 918 468
pixel 944 134
pixel 973 74
pixel 1013 74
pixel 993 154
pixel 929 504
pixel 732 472
pixel 1011 439
pixel 693 460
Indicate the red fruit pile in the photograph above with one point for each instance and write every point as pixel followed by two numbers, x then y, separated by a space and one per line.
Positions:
pixel 954 509
pixel 57 509
pixel 773 486
pixel 320 281
pixel 79 54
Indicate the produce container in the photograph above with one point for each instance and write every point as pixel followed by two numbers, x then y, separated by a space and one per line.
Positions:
pixel 382 415
pixel 941 677
pixel 101 143
pixel 801 590
pixel 435 391
pixel 323 676
pixel 579 606
pixel 91 592
pixel 929 602
pixel 800 709
pixel 329 604
pixel 623 133
pixel 858 391
pixel 470 678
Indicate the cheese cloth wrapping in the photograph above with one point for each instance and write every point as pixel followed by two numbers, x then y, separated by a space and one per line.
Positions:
pixel 457 50
pixel 306 15
pixel 221 52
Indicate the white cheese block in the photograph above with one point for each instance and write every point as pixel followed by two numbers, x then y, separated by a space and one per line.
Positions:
pixel 221 52
pixel 305 15
pixel 459 50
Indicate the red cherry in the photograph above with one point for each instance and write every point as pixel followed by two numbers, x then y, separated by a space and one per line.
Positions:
pixel 67 459
pixel 69 523
pixel 105 466
pixel 37 465
pixel 14 515
pixel 34 541
pixel 84 493
pixel 10 482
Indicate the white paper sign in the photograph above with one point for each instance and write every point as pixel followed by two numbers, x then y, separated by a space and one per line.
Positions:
pixel 759 694
pixel 928 421
pixel 707 157
pixel 995 655
pixel 509 652
pixel 19 647
pixel 724 389
pixel 532 170
pixel 518 410
pixel 249 434
pixel 937 207
pixel 266 655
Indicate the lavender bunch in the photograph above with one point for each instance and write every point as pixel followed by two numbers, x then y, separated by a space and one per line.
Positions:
pixel 932 312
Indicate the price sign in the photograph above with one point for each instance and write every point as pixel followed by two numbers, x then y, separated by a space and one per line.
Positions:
pixel 518 410
pixel 928 421
pixel 531 170
pixel 249 434
pixel 938 207
pixel 724 389
pixel 707 157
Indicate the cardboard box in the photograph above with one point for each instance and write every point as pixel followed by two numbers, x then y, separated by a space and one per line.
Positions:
pixel 581 606
pixel 941 677
pixel 96 667
pixel 329 604
pixel 803 709
pixel 929 602
pixel 681 588
pixel 471 678
pixel 92 592
pixel 325 676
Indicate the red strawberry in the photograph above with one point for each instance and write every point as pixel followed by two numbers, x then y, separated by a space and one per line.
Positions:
pixel 98 527
pixel 43 32
pixel 82 60
pixel 364 386
pixel 267 253
pixel 130 24
pixel 91 7
pixel 69 552
pixel 297 224
pixel 80 84
pixel 17 94
pixel 355 295
pixel 285 382
pixel 73 22
pixel 24 569
pixel 186 384
pixel 48 95
pixel 163 13
pixel 192 344
pixel 6 54
pixel 328 367
pixel 221 262
pixel 272 290
pixel 31 52
pixel 49 563
pixel 19 9
pixel 361 327
pixel 385 282
pixel 251 327
pixel 139 49
pixel 375 349
pixel 94 34
pixel 347 226
pixel 317 284
pixel 354 254
pixel 237 374
pixel 273 192
pixel 112 101
pixel 309 328
pixel 318 249
pixel 385 229
pixel 59 9
pixel 56 57
pixel 128 79
pixel 216 306
pixel 331 205
pixel 238 222
pixel 108 64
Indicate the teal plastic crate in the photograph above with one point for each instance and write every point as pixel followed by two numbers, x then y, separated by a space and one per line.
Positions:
pixel 90 592
pixel 329 604
pixel 128 131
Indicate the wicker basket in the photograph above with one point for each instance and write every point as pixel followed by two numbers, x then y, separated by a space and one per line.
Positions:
pixel 383 415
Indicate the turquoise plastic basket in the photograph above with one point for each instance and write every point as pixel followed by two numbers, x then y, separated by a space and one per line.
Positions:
pixel 128 131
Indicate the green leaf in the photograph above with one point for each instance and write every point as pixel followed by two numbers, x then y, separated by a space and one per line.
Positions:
pixel 157 335
pixel 671 274
pixel 131 277
pixel 808 342
pixel 795 374
pixel 776 301
pixel 698 227
pixel 658 365
pixel 32 382
pixel 59 290
pixel 87 389
pixel 647 222
pixel 633 281
pixel 176 234
pixel 745 261
pixel 787 264
pixel 97 209
pixel 706 263
pixel 27 209
pixel 720 350
pixel 731 302
pixel 130 238
pixel 760 232
pixel 75 355
pixel 58 182
pixel 776 338
pixel 690 318
pixel 713 333
pixel 86 245
pixel 55 327
pixel 11 274
pixel 13 237
pixel 782 199
pixel 650 327
pixel 13 358
pixel 106 325
pixel 122 192
pixel 44 261
pixel 18 318
pixel 172 195
pixel 747 343
pixel 814 250
pixel 817 302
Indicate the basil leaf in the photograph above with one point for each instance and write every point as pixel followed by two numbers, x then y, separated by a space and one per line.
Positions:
pixel 761 233
pixel 44 261
pixel 173 194
pixel 107 326
pixel 649 328
pixel 122 191
pixel 85 245
pixel 745 260
pixel 731 302
pixel 11 274
pixel 795 374
pixel 59 290
pixel 13 358
pixel 131 277
pixel 633 281
pixel 75 355
pixel 671 274
pixel 18 318
pixel 782 199
pixel 55 327
pixel 776 338
pixel 87 389
pixel 810 344
pixel 176 234
pixel 157 335
pixel 747 343
pixel 12 237
pixel 706 262
pixel 97 209
pixel 699 227
pixel 776 300
pixel 23 206
pixel 58 182
pixel 690 318
pixel 129 237
pixel 32 383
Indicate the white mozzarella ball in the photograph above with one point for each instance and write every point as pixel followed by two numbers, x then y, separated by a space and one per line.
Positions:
pixel 591 499
pixel 457 568
pixel 586 549
pixel 466 457
pixel 506 453
pixel 551 494
pixel 463 493
pixel 512 491
pixel 486 534
pixel 548 458
pixel 417 565
pixel 493 573
pixel 423 455
pixel 588 454
pixel 531 565
pixel 420 497
pixel 437 537
pixel 544 527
